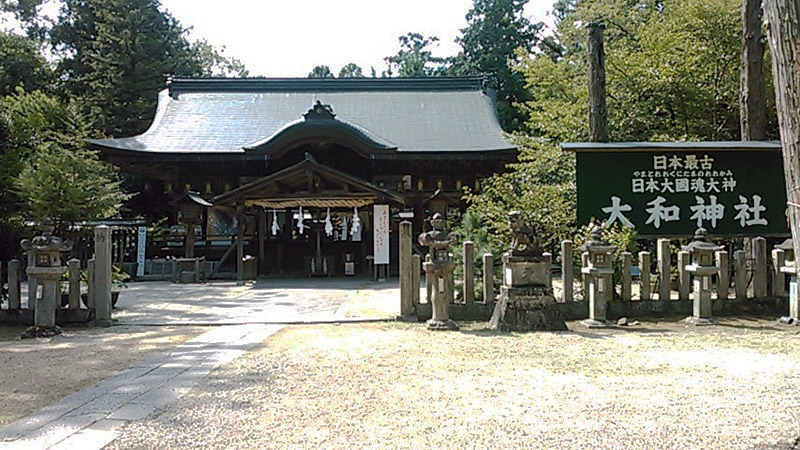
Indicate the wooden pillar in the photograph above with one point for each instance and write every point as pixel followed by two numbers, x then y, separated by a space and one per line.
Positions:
pixel 723 274
pixel 598 121
pixel 262 238
pixel 406 269
pixel 13 285
pixel 760 267
pixel 627 261
pixel 240 224
pixel 684 277
pixel 488 278
pixel 190 238
pixel 74 267
pixel 664 288
pixel 102 275
pixel 567 271
pixel 469 272
pixel 740 274
pixel 415 276
pixel 644 277
pixel 778 277
pixel 33 285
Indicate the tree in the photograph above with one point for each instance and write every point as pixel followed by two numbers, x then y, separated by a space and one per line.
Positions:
pixel 213 63
pixel 496 29
pixel 321 72
pixel 752 95
pixel 783 17
pixel 116 55
pixel 351 70
pixel 415 59
pixel 21 64
pixel 44 157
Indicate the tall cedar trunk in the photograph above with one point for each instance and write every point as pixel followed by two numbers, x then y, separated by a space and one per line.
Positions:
pixel 752 96
pixel 598 120
pixel 783 18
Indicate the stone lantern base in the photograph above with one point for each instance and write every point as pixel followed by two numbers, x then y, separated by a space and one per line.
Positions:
pixel 596 323
pixel 41 332
pixel 526 300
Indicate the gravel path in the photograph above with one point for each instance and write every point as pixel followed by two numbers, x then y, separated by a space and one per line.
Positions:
pixel 656 386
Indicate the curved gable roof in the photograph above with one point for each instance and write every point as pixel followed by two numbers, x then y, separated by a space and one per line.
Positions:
pixel 236 116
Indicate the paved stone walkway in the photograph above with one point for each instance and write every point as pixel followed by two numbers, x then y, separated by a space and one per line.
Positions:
pixel 89 419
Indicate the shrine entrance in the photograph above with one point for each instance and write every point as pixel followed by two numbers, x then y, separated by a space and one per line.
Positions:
pixel 310 219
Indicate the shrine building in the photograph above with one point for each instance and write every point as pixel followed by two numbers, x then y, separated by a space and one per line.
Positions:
pixel 311 176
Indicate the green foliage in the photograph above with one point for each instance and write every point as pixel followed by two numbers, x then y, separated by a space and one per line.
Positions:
pixel 213 63
pixel 21 64
pixel 471 228
pixel 541 186
pixel 321 72
pixel 496 29
pixel 351 70
pixel 672 71
pixel 415 59
pixel 46 160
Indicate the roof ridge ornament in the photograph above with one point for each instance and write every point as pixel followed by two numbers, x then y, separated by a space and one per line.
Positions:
pixel 320 111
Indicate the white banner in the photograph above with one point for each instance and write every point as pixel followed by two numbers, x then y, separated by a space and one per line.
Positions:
pixel 381 234
pixel 141 246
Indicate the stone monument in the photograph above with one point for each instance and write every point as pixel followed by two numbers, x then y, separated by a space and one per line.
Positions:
pixel 439 273
pixel 702 269
pixel 47 271
pixel 526 300
pixel 600 273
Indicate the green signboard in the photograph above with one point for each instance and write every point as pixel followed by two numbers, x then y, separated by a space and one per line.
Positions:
pixel 673 191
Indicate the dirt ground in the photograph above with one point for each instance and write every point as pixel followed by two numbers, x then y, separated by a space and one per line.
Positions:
pixel 657 385
pixel 38 372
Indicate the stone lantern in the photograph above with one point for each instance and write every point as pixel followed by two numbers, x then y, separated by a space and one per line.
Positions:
pixel 701 269
pixel 47 271
pixel 439 273
pixel 600 272
pixel 789 267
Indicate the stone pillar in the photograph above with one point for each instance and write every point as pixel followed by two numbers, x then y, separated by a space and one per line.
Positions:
pixel 567 274
pixel 778 277
pixel 416 266
pixel 13 285
pixel 406 269
pixel 90 283
pixel 33 285
pixel 102 275
pixel 663 269
pixel 644 278
pixel 627 261
pixel 760 267
pixel 74 267
pixel 724 274
pixel 585 277
pixel 548 258
pixel 469 272
pixel 428 283
pixel 240 224
pixel 684 277
pixel 488 278
pixel 740 274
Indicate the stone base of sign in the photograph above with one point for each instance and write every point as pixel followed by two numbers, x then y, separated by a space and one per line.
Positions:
pixel 41 332
pixel 592 323
pixel 701 321
pixel 526 309
pixel 441 325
